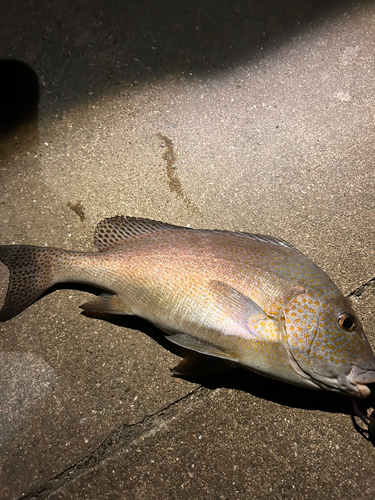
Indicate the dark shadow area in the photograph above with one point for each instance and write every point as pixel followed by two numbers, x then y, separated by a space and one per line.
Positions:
pixel 19 101
pixel 363 420
pixel 19 94
pixel 83 47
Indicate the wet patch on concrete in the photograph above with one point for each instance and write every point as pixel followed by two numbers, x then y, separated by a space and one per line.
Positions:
pixel 170 156
pixel 78 209
pixel 24 379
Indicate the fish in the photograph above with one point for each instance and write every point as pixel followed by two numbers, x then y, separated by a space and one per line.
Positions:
pixel 236 298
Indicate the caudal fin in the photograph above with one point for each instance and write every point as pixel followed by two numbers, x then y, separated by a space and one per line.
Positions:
pixel 31 274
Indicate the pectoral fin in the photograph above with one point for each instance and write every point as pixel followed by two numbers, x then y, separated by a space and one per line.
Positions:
pixel 240 310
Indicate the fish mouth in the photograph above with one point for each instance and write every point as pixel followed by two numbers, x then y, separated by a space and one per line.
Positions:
pixel 359 378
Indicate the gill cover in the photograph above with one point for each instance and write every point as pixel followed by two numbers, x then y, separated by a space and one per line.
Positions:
pixel 326 340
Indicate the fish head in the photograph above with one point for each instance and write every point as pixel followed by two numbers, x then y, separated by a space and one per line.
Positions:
pixel 327 343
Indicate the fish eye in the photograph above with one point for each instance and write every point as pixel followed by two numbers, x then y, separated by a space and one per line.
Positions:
pixel 347 322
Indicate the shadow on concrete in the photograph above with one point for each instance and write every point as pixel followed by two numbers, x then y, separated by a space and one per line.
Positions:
pixel 81 47
pixel 19 101
pixel 19 94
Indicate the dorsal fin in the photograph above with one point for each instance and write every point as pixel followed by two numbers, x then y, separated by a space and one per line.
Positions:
pixel 267 239
pixel 115 230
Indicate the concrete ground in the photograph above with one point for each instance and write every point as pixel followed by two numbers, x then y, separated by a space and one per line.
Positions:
pixel 246 115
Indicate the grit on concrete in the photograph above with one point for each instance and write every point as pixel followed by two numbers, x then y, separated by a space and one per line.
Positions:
pixel 246 115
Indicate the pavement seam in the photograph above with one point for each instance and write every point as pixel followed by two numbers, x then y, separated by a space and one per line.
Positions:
pixel 362 288
pixel 121 437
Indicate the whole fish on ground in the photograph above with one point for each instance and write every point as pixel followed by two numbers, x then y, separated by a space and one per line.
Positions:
pixel 249 300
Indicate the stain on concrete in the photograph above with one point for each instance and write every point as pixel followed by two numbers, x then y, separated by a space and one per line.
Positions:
pixel 170 156
pixel 78 209
pixel 24 379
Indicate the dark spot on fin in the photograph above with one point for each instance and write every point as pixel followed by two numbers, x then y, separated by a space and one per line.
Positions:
pixel 105 303
pixel 31 275
pixel 115 230
pixel 195 364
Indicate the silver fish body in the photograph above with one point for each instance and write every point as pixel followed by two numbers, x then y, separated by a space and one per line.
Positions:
pixel 250 300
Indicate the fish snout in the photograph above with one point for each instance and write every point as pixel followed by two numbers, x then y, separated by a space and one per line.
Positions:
pixel 360 377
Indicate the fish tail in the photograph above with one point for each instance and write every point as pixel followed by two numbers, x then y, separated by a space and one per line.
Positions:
pixel 32 272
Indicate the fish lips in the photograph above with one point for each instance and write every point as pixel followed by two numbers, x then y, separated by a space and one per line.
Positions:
pixel 355 384
pixel 319 363
pixel 360 377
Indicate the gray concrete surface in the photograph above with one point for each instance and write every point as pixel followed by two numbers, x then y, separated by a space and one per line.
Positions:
pixel 256 116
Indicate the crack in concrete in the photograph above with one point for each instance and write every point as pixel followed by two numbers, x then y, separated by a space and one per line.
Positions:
pixel 123 436
pixel 362 288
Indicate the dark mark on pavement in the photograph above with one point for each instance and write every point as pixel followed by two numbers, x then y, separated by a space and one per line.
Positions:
pixel 78 209
pixel 170 156
pixel 361 289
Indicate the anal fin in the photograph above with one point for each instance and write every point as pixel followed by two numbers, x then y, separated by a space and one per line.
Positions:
pixel 200 346
pixel 106 303
pixel 195 364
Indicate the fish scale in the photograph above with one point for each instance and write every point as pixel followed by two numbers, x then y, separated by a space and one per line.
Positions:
pixel 248 300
